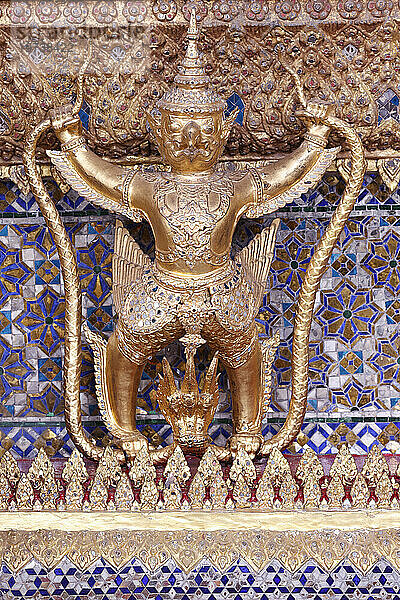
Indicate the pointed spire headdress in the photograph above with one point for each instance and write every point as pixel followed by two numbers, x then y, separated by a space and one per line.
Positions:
pixel 192 92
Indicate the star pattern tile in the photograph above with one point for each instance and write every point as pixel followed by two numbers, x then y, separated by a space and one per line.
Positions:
pixel 383 262
pixel 206 581
pixel 347 313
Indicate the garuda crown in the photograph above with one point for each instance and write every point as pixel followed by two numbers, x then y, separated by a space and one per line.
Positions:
pixel 192 92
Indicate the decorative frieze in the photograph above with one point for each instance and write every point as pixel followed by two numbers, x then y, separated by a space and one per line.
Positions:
pixel 352 63
pixel 273 484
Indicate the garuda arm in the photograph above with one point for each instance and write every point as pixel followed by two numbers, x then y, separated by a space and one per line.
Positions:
pixel 283 181
pixel 99 181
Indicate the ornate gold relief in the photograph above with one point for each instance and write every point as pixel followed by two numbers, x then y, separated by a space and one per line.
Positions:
pixel 325 538
pixel 188 411
pixel 389 170
pixel 190 130
pixel 344 466
pixel 42 476
pixel 360 492
pixel 351 64
pixel 207 486
pixel 24 494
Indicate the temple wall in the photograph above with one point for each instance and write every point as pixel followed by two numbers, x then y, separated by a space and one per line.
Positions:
pixel 344 52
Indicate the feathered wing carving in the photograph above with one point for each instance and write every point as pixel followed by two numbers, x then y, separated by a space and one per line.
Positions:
pixel 127 264
pixel 266 204
pixel 256 260
pixel 69 173
pixel 257 257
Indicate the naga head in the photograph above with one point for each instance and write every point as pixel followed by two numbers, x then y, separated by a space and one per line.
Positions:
pixel 187 410
pixel 189 124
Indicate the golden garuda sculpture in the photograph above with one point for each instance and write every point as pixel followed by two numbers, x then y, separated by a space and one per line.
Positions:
pixel 193 291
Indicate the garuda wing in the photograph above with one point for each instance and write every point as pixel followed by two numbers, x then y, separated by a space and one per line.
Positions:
pixel 266 204
pixel 73 178
pixel 237 302
pixel 127 264
pixel 256 260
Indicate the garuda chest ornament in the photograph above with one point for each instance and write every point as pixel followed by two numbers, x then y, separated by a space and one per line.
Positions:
pixel 190 213
pixel 194 291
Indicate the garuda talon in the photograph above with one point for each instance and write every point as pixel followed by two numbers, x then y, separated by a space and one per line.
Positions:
pixel 193 291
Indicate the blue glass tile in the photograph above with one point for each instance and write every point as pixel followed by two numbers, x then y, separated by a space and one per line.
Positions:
pixel 84 114
pixel 235 102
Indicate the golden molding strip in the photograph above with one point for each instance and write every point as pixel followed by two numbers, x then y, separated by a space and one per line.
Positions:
pixel 238 520
pixel 363 538
pixel 61 13
pixel 387 164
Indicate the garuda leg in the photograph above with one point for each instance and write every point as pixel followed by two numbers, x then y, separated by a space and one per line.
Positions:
pixel 126 356
pixel 123 378
pixel 240 353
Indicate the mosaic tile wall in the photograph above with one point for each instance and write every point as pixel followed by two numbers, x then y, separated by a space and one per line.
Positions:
pixel 102 581
pixel 355 370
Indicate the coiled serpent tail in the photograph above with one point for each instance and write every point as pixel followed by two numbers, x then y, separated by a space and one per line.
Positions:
pixel 72 286
pixel 73 297
pixel 315 270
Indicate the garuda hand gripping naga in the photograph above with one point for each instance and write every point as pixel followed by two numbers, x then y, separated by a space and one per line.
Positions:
pixel 193 291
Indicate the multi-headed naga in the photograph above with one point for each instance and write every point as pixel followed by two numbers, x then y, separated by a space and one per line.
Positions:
pixel 194 291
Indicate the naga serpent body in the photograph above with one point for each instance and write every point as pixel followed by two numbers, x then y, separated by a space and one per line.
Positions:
pixel 305 307
pixel 304 314
pixel 72 286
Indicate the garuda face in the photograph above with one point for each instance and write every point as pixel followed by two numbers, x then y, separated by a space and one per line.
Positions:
pixel 188 143
pixel 188 123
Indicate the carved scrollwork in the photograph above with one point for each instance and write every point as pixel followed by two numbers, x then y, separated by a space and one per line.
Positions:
pixel 355 66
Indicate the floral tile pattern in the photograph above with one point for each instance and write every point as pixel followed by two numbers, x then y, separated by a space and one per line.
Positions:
pixel 14 370
pixel 290 264
pixel 43 320
pixel 14 273
pixel 94 265
pixel 383 262
pixel 347 314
